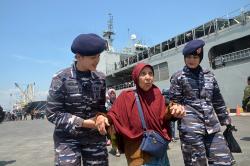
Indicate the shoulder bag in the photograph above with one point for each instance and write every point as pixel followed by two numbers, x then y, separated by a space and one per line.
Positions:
pixel 152 142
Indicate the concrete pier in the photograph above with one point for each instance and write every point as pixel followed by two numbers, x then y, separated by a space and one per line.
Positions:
pixel 30 143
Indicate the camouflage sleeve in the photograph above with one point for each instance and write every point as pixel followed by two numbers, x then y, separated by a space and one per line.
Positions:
pixel 175 90
pixel 55 110
pixel 103 99
pixel 219 105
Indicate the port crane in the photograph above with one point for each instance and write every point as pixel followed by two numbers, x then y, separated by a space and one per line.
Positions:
pixel 27 95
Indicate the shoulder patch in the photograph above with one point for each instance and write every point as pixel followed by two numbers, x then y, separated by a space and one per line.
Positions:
pixel 177 74
pixel 59 78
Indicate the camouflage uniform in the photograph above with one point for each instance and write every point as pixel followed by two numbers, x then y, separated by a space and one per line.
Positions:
pixel 205 112
pixel 73 97
pixel 246 99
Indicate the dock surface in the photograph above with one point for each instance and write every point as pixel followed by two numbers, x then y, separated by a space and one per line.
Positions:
pixel 30 143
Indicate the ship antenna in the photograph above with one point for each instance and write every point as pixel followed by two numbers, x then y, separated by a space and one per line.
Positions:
pixel 109 32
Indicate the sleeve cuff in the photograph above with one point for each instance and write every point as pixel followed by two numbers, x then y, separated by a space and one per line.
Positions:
pixel 79 122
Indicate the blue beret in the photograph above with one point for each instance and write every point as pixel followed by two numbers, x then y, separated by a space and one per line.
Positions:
pixel 192 47
pixel 88 44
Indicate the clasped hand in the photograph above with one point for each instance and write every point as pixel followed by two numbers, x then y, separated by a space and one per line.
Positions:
pixel 101 123
pixel 177 111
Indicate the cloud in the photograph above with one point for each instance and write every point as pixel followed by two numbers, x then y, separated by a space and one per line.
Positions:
pixel 35 60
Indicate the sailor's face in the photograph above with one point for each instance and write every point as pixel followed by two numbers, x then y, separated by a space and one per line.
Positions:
pixel 87 63
pixel 146 78
pixel 192 61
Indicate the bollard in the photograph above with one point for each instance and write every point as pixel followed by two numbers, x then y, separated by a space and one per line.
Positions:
pixel 238 109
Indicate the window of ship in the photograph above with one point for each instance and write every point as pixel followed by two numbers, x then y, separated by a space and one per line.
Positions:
pixel 199 32
pixel 151 51
pixel 140 56
pixel 209 28
pixel 237 19
pixel 222 23
pixel 171 43
pixel 145 54
pixel 188 36
pixel 164 46
pixel 161 71
pixel 157 49
pixel 180 39
pixel 247 15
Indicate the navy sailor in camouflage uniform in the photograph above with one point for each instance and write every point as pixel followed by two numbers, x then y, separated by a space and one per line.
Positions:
pixel 76 97
pixel 202 143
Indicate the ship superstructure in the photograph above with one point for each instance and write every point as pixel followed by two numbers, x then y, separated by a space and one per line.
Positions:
pixel 226 53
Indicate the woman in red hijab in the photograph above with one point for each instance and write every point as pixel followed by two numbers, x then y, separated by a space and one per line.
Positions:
pixel 125 120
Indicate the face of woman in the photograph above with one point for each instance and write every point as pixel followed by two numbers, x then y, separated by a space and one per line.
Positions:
pixel 192 61
pixel 112 96
pixel 146 78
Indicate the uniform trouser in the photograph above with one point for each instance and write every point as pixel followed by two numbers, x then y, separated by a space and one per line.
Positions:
pixel 70 152
pixel 202 150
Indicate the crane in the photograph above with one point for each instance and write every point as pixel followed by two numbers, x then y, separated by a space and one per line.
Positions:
pixel 26 95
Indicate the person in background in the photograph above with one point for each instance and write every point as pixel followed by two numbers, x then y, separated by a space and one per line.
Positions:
pixel 246 97
pixel 111 99
pixel 106 105
pixel 2 114
pixel 124 117
pixel 111 96
pixel 165 93
pixel 76 97
pixel 195 88
pixel 25 114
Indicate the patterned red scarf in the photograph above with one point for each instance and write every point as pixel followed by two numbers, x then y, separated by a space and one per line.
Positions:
pixel 125 116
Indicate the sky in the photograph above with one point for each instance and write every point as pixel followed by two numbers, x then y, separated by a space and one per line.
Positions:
pixel 36 35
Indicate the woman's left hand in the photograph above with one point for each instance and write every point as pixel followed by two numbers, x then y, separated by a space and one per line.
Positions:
pixel 177 110
pixel 101 123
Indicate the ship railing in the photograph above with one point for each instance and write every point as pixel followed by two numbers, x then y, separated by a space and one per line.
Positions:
pixel 241 16
pixel 124 85
pixel 222 60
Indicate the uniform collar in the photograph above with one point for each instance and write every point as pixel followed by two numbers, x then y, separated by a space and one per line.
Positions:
pixel 74 72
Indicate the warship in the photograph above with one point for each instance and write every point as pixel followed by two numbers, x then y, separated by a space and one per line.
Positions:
pixel 226 54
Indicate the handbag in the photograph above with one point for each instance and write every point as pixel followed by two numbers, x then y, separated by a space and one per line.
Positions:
pixel 232 143
pixel 152 142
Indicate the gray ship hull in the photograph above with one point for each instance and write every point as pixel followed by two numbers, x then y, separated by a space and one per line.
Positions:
pixel 226 54
pixel 232 79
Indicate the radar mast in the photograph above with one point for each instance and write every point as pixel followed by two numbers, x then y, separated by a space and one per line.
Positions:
pixel 109 33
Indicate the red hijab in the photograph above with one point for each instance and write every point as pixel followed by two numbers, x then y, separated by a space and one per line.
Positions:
pixel 125 116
